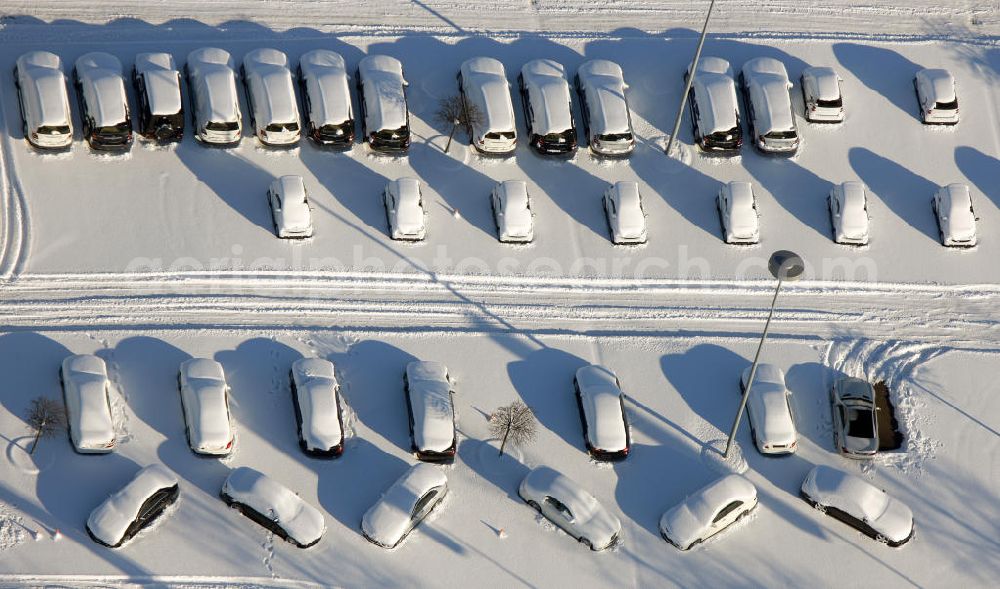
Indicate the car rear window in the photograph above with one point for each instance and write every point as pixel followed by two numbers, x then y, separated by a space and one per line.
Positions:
pixel 835 103
pixel 335 130
pixel 782 135
pixel 860 423
pixel 217 126
pixel 279 127
pixel 118 129
pixel 393 133
pixel 53 130
pixel 175 120
pixel 615 137
pixel 725 135
pixel 953 105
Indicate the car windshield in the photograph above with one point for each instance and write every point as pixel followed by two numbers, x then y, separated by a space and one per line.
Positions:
pixel 393 133
pixel 219 126
pixel 279 127
pixel 860 423
pixel 953 105
pixel 168 120
pixel 335 130
pixel 835 103
pixel 726 135
pixel 54 130
pixel 781 135
pixel 118 129
pixel 616 137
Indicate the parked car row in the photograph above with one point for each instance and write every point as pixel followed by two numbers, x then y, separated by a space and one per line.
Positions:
pixel 269 82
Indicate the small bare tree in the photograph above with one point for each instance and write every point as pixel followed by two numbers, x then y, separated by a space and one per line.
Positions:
pixel 514 423
pixel 454 111
pixel 45 418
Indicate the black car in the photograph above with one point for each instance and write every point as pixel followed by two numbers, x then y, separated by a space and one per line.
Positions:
pixel 158 88
pixel 134 507
pixel 385 116
pixel 545 80
pixel 107 123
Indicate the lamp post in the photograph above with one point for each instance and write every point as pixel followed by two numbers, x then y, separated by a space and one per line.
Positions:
pixel 786 266
pixel 690 78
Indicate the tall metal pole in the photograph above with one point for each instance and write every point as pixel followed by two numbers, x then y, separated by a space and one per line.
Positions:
pixel 690 78
pixel 753 372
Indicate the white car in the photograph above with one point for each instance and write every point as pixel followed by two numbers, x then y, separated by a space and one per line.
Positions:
pixel 512 211
pixel 855 418
pixel 483 85
pixel 404 209
pixel 274 506
pixel 769 410
pixel 290 211
pixel 602 413
pixel 316 394
pixel 708 511
pixel 715 111
pixel 158 89
pixel 44 101
pixel 765 86
pixel 858 504
pixel 738 213
pixel 107 124
pixel 848 204
pixel 404 505
pixel 606 118
pixel 326 94
pixel 566 504
pixel 955 216
pixel 215 102
pixel 385 117
pixel 937 97
pixel 274 111
pixel 85 388
pixel 623 209
pixel 126 513
pixel 431 411
pixel 548 107
pixel 205 401
pixel 822 95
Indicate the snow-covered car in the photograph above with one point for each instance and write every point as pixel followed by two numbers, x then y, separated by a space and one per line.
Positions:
pixel 158 90
pixel 937 97
pixel 601 403
pixel 483 84
pixel 385 117
pixel 316 395
pixel 765 86
pixel 822 95
pixel 134 507
pixel 274 111
pixel 738 213
pixel 107 124
pixel 607 121
pixel 404 209
pixel 956 218
pixel 623 210
pixel 290 211
pixel 566 504
pixel 548 107
pixel 326 95
pixel 715 111
pixel 430 410
pixel 848 204
pixel 44 101
pixel 772 425
pixel 404 505
pixel 858 504
pixel 85 388
pixel 274 506
pixel 708 511
pixel 215 103
pixel 205 401
pixel 855 419
pixel 512 211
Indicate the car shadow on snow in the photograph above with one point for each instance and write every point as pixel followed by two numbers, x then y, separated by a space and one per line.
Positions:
pixel 544 380
pixel 356 187
pixel 982 170
pixel 906 193
pixel 884 71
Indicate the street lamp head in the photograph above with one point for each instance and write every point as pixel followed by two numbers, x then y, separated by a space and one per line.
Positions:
pixel 786 266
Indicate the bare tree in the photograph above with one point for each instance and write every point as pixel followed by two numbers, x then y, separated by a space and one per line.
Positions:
pixel 514 423
pixel 45 418
pixel 454 111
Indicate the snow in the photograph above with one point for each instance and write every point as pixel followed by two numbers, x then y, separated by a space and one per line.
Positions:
pixel 390 519
pixel 692 519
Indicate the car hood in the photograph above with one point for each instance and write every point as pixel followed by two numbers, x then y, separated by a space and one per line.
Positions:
pixel 861 445
pixel 296 214
pixel 681 525
pixel 110 520
pixel 854 223
pixel 771 415
pixel 896 523
pixel 517 220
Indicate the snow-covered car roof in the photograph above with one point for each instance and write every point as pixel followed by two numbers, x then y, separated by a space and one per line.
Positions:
pixel 85 377
pixel 48 99
pixel 940 82
pixel 603 407
pixel 764 65
pixel 409 212
pixel 850 387
pixel 834 488
pixel 270 80
pixel 716 91
pixel 630 218
pixel 516 211
pixel 548 91
pixel 326 80
pixel 742 215
pixel 390 518
pixel 100 76
pixel 214 81
pixel 163 88
pixel 316 387
pixel 208 415
pixel 589 515
pixel 382 78
pixel 431 403
pixel 769 398
pixel 605 86
pixel 768 82
pixel 853 216
pixel 956 203
pixel 826 80
pixel 111 519
pixel 294 205
pixel 689 520
pixel 303 522
pixel 485 82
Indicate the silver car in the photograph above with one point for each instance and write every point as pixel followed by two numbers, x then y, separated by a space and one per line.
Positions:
pixel 855 419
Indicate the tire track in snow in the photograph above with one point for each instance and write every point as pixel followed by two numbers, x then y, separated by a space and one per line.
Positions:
pixel 15 238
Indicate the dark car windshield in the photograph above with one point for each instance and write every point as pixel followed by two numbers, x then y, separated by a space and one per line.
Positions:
pixel 835 103
pixel 336 130
pixel 782 135
pixel 394 133
pixel 118 129
pixel 614 137
pixel 57 130
pixel 173 121
pixel 860 423
pixel 278 127
pixel 953 105
pixel 218 126
pixel 726 135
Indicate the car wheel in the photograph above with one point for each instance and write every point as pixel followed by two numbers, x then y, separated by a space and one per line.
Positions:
pixel 534 505
pixel 881 539
pixel 587 543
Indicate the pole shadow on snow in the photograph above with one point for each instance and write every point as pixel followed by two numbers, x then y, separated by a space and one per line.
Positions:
pixel 884 71
pixel 982 170
pixel 906 193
